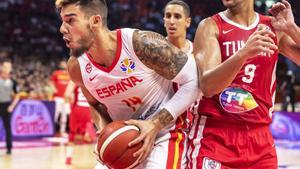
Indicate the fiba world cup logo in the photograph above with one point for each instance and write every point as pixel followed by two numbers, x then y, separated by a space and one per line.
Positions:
pixel 127 66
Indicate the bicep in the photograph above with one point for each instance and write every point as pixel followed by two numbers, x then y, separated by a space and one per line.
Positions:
pixel 158 54
pixel 289 48
pixel 206 46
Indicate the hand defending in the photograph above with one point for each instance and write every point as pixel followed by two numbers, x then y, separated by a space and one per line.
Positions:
pixel 282 16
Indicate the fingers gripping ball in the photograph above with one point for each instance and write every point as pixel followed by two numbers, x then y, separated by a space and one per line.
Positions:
pixel 113 147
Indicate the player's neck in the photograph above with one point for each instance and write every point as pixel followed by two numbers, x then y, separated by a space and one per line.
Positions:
pixel 103 51
pixel 243 15
pixel 179 42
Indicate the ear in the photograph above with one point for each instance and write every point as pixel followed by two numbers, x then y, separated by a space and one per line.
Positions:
pixel 164 22
pixel 95 21
pixel 188 22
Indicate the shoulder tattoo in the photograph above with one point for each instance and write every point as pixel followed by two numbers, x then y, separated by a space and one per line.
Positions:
pixel 158 54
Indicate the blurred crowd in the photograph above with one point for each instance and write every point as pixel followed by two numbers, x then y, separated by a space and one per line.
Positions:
pixel 30 33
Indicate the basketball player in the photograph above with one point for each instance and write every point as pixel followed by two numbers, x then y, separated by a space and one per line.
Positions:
pixel 127 74
pixel 236 52
pixel 79 119
pixel 59 81
pixel 176 21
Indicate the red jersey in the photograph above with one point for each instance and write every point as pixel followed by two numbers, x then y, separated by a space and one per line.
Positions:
pixel 250 97
pixel 60 78
pixel 79 99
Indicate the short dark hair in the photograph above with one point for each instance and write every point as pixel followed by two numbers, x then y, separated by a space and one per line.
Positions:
pixel 185 6
pixel 90 7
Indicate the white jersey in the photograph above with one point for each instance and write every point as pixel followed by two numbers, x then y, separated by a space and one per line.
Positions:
pixel 128 88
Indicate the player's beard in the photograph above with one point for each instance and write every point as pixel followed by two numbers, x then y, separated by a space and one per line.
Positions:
pixel 84 44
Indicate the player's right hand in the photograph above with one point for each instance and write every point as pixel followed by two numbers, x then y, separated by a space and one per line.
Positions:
pixel 260 41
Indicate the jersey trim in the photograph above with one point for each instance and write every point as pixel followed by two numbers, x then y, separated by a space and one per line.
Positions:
pixel 117 57
pixel 253 25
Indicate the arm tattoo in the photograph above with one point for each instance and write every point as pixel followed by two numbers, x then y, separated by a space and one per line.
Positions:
pixel 158 54
pixel 164 117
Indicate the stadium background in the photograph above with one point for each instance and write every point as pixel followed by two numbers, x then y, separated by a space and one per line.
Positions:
pixel 30 37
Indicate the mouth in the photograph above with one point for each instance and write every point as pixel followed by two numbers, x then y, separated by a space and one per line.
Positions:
pixel 172 30
pixel 68 41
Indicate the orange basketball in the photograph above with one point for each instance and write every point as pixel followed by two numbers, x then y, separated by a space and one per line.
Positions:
pixel 113 147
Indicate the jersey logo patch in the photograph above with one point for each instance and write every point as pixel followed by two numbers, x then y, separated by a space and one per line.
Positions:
pixel 227 31
pixel 92 78
pixel 237 100
pixel 88 68
pixel 210 164
pixel 127 66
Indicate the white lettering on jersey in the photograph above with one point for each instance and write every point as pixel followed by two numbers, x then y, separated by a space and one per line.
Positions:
pixel 232 47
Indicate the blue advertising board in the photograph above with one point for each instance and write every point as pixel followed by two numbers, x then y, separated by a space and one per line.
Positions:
pixel 286 126
pixel 32 118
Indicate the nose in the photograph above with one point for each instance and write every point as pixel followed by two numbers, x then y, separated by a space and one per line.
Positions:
pixel 63 29
pixel 172 20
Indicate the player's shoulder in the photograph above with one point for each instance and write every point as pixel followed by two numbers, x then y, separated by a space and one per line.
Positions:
pixel 74 70
pixel 208 26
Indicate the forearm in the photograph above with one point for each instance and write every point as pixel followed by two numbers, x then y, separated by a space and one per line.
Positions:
pixel 214 81
pixel 184 97
pixel 162 119
pixel 294 33
pixel 100 115
pixel 15 101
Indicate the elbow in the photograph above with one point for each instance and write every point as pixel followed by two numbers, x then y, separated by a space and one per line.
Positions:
pixel 207 89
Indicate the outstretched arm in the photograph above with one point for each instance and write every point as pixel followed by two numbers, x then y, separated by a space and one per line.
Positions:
pixel 289 32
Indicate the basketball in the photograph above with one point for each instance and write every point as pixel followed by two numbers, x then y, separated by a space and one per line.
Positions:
pixel 113 147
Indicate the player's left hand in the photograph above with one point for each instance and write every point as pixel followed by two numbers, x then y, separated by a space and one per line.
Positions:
pixel 148 134
pixel 283 16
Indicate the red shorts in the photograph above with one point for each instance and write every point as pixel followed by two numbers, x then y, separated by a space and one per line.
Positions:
pixel 219 145
pixel 79 118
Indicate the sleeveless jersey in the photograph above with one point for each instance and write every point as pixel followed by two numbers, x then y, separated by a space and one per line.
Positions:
pixel 256 77
pixel 128 88
pixel 79 99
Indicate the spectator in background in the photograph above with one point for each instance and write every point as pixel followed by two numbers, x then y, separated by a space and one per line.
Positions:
pixel 8 100
pixel 288 91
pixel 59 81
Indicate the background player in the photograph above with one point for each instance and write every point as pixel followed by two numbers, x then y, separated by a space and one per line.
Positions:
pixel 176 21
pixel 59 81
pixel 237 54
pixel 80 122
pixel 127 74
